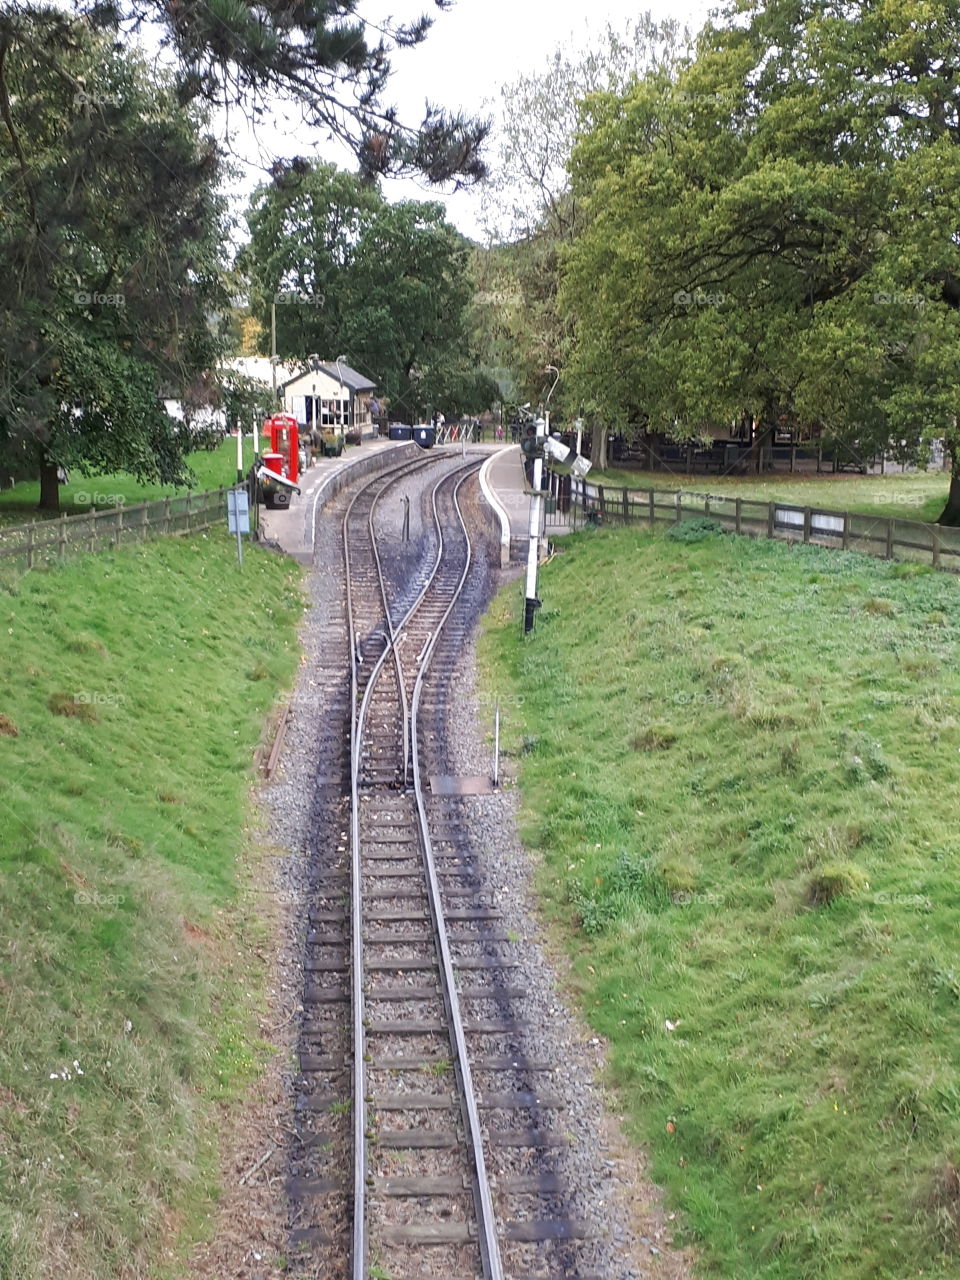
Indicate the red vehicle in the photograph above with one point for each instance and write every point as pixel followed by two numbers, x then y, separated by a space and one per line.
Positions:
pixel 281 461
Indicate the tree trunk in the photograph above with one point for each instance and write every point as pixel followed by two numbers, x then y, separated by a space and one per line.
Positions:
pixel 951 512
pixel 49 487
pixel 598 446
pixel 760 437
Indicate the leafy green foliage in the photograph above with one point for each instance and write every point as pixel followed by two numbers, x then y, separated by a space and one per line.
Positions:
pixel 110 246
pixel 386 285
pixel 694 530
pixel 766 232
pixel 530 212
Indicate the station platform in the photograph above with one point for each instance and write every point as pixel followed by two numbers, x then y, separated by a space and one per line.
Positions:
pixel 504 475
pixel 292 527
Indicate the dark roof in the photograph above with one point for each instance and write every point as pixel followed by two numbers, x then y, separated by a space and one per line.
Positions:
pixel 349 377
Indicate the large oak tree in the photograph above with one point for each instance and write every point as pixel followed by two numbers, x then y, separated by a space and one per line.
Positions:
pixel 772 230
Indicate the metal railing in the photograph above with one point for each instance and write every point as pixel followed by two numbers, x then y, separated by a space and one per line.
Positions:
pixel 43 543
pixel 574 503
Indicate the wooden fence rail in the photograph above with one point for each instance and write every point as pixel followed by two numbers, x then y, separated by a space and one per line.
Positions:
pixel 47 542
pixel 883 536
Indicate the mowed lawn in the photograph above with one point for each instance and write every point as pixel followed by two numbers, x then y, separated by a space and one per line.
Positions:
pixel 134 687
pixel 211 469
pixel 740 764
pixel 912 496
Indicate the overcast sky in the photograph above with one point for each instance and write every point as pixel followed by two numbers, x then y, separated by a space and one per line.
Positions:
pixel 470 52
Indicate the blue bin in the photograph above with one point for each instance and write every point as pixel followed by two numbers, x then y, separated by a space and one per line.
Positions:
pixel 398 432
pixel 426 437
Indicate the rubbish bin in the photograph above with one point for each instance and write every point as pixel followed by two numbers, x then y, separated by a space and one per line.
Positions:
pixel 426 437
pixel 400 432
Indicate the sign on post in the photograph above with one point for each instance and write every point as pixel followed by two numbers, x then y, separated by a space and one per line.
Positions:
pixel 238 516
pixel 238 511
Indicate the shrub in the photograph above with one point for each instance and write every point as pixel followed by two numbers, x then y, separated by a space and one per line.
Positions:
pixel 835 880
pixel 656 737
pixel 68 704
pixel 696 529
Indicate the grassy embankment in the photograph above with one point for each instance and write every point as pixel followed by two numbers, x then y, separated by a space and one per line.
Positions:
pixel 913 496
pixel 740 764
pixel 134 687
pixel 212 469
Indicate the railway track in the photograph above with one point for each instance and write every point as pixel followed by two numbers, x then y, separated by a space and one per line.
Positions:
pixel 423 1088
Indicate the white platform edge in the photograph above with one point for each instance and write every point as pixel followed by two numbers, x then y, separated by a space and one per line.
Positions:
pixel 487 491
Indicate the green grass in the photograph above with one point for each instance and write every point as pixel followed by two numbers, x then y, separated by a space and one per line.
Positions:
pixel 914 496
pixel 740 762
pixel 212 469
pixel 134 687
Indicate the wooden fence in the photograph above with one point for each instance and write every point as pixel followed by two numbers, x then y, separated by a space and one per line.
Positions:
pixel 47 542
pixel 884 536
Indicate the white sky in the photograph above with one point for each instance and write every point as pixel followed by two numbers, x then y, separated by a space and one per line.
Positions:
pixel 469 53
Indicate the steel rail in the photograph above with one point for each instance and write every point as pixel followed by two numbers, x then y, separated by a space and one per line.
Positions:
pixel 486 1219
pixel 356 899
pixel 486 1216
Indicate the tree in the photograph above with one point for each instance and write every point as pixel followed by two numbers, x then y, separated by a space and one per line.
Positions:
pixel 528 203
pixel 304 230
pixel 323 56
pixel 110 255
pixel 388 286
pixel 246 402
pixel 768 231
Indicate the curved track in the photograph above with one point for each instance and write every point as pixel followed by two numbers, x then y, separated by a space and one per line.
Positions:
pixel 414 1082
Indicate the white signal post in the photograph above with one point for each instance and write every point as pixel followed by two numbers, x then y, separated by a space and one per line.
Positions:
pixel 556 451
pixel 531 603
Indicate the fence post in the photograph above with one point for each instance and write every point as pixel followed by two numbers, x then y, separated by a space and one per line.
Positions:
pixel 653 504
pixel 771 514
pixel 30 547
pixel 738 515
pixel 679 511
pixel 889 538
pixel 62 538
pixel 807 520
pixel 118 532
pixel 935 539
pixel 706 504
pixel 846 531
pixel 602 499
pixel 166 515
pixel 626 506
